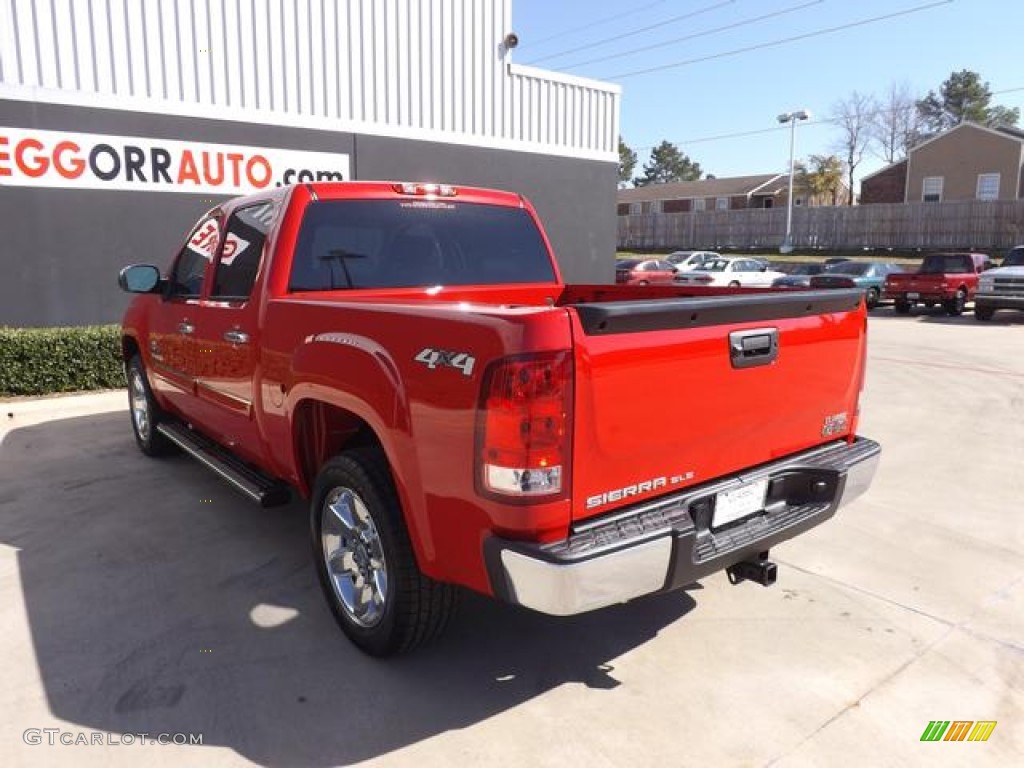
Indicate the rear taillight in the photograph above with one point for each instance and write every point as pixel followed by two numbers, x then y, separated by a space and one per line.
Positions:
pixel 525 426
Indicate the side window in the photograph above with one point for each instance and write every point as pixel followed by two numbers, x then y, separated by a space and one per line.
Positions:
pixel 242 251
pixel 190 266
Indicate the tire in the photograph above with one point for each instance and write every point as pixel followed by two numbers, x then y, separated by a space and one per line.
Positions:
pixel 984 313
pixel 144 412
pixel 955 306
pixel 735 284
pixel 871 298
pixel 365 561
pixel 902 307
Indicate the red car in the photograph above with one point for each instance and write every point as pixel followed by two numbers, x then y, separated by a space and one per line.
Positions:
pixel 643 272
pixel 949 279
pixel 408 359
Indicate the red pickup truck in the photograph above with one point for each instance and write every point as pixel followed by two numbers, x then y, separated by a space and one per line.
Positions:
pixel 950 279
pixel 407 357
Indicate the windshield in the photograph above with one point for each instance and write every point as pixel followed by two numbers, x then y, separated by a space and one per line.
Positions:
pixel 715 265
pixel 407 243
pixel 1014 258
pixel 850 268
pixel 946 263
pixel 681 256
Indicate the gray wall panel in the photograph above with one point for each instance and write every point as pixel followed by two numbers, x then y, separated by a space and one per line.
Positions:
pixel 60 249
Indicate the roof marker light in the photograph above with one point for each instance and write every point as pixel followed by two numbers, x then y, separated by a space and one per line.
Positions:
pixel 420 189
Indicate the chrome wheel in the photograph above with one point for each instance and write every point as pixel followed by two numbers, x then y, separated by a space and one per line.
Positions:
pixel 354 557
pixel 139 405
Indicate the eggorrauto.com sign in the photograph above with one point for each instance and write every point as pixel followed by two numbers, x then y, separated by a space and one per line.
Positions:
pixel 64 159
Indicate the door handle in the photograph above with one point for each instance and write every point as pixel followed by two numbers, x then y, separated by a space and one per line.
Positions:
pixel 236 337
pixel 749 349
pixel 186 328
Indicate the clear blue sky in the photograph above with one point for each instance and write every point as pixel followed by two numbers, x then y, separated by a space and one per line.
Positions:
pixel 697 105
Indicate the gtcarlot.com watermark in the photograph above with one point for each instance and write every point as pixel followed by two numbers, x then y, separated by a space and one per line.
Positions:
pixel 55 736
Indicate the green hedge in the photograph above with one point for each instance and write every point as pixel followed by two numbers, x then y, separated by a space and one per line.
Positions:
pixel 38 361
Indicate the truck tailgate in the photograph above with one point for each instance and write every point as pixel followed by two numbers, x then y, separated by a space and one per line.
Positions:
pixel 914 281
pixel 680 391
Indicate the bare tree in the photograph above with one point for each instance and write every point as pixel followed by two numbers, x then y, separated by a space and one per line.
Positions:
pixel 894 127
pixel 853 117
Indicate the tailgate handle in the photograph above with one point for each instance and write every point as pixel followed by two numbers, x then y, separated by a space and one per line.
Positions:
pixel 759 346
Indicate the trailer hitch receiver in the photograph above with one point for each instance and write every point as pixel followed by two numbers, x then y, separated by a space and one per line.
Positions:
pixel 761 571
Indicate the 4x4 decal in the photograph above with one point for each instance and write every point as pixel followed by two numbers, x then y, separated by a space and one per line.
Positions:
pixel 434 358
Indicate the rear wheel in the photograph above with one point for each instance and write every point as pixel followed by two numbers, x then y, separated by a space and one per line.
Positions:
pixel 734 284
pixel 983 313
pixel 871 298
pixel 145 412
pixel 365 562
pixel 955 306
pixel 902 306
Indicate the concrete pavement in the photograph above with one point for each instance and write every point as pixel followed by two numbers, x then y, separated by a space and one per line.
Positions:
pixel 146 596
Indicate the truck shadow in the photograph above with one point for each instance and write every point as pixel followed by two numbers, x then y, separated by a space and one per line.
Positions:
pixel 158 601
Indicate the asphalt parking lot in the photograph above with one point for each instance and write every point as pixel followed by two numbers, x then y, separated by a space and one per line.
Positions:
pixel 142 596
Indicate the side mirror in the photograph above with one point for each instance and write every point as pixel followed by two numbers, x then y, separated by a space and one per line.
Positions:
pixel 139 278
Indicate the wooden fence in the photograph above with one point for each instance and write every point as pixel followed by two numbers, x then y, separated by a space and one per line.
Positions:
pixel 973 224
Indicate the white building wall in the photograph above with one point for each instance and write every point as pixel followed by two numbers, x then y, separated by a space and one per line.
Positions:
pixel 426 69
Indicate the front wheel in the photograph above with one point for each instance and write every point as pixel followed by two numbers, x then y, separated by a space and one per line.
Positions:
pixel 955 306
pixel 734 284
pixel 365 561
pixel 145 412
pixel 871 298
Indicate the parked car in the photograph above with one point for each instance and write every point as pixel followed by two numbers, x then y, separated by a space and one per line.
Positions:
pixel 1001 288
pixel 643 271
pixel 458 416
pixel 826 280
pixel 684 261
pixel 867 275
pixel 947 278
pixel 798 275
pixel 730 271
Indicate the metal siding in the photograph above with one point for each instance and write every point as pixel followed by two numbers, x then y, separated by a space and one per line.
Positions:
pixel 415 68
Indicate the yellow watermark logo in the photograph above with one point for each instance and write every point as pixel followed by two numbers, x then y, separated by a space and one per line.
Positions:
pixel 958 730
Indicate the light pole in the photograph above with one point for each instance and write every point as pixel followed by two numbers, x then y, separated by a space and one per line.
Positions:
pixel 791 118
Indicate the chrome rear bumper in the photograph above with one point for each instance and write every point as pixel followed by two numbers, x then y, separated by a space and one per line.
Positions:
pixel 669 543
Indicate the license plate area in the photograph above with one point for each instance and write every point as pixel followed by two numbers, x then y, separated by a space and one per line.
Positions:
pixel 738 503
pixel 913 295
